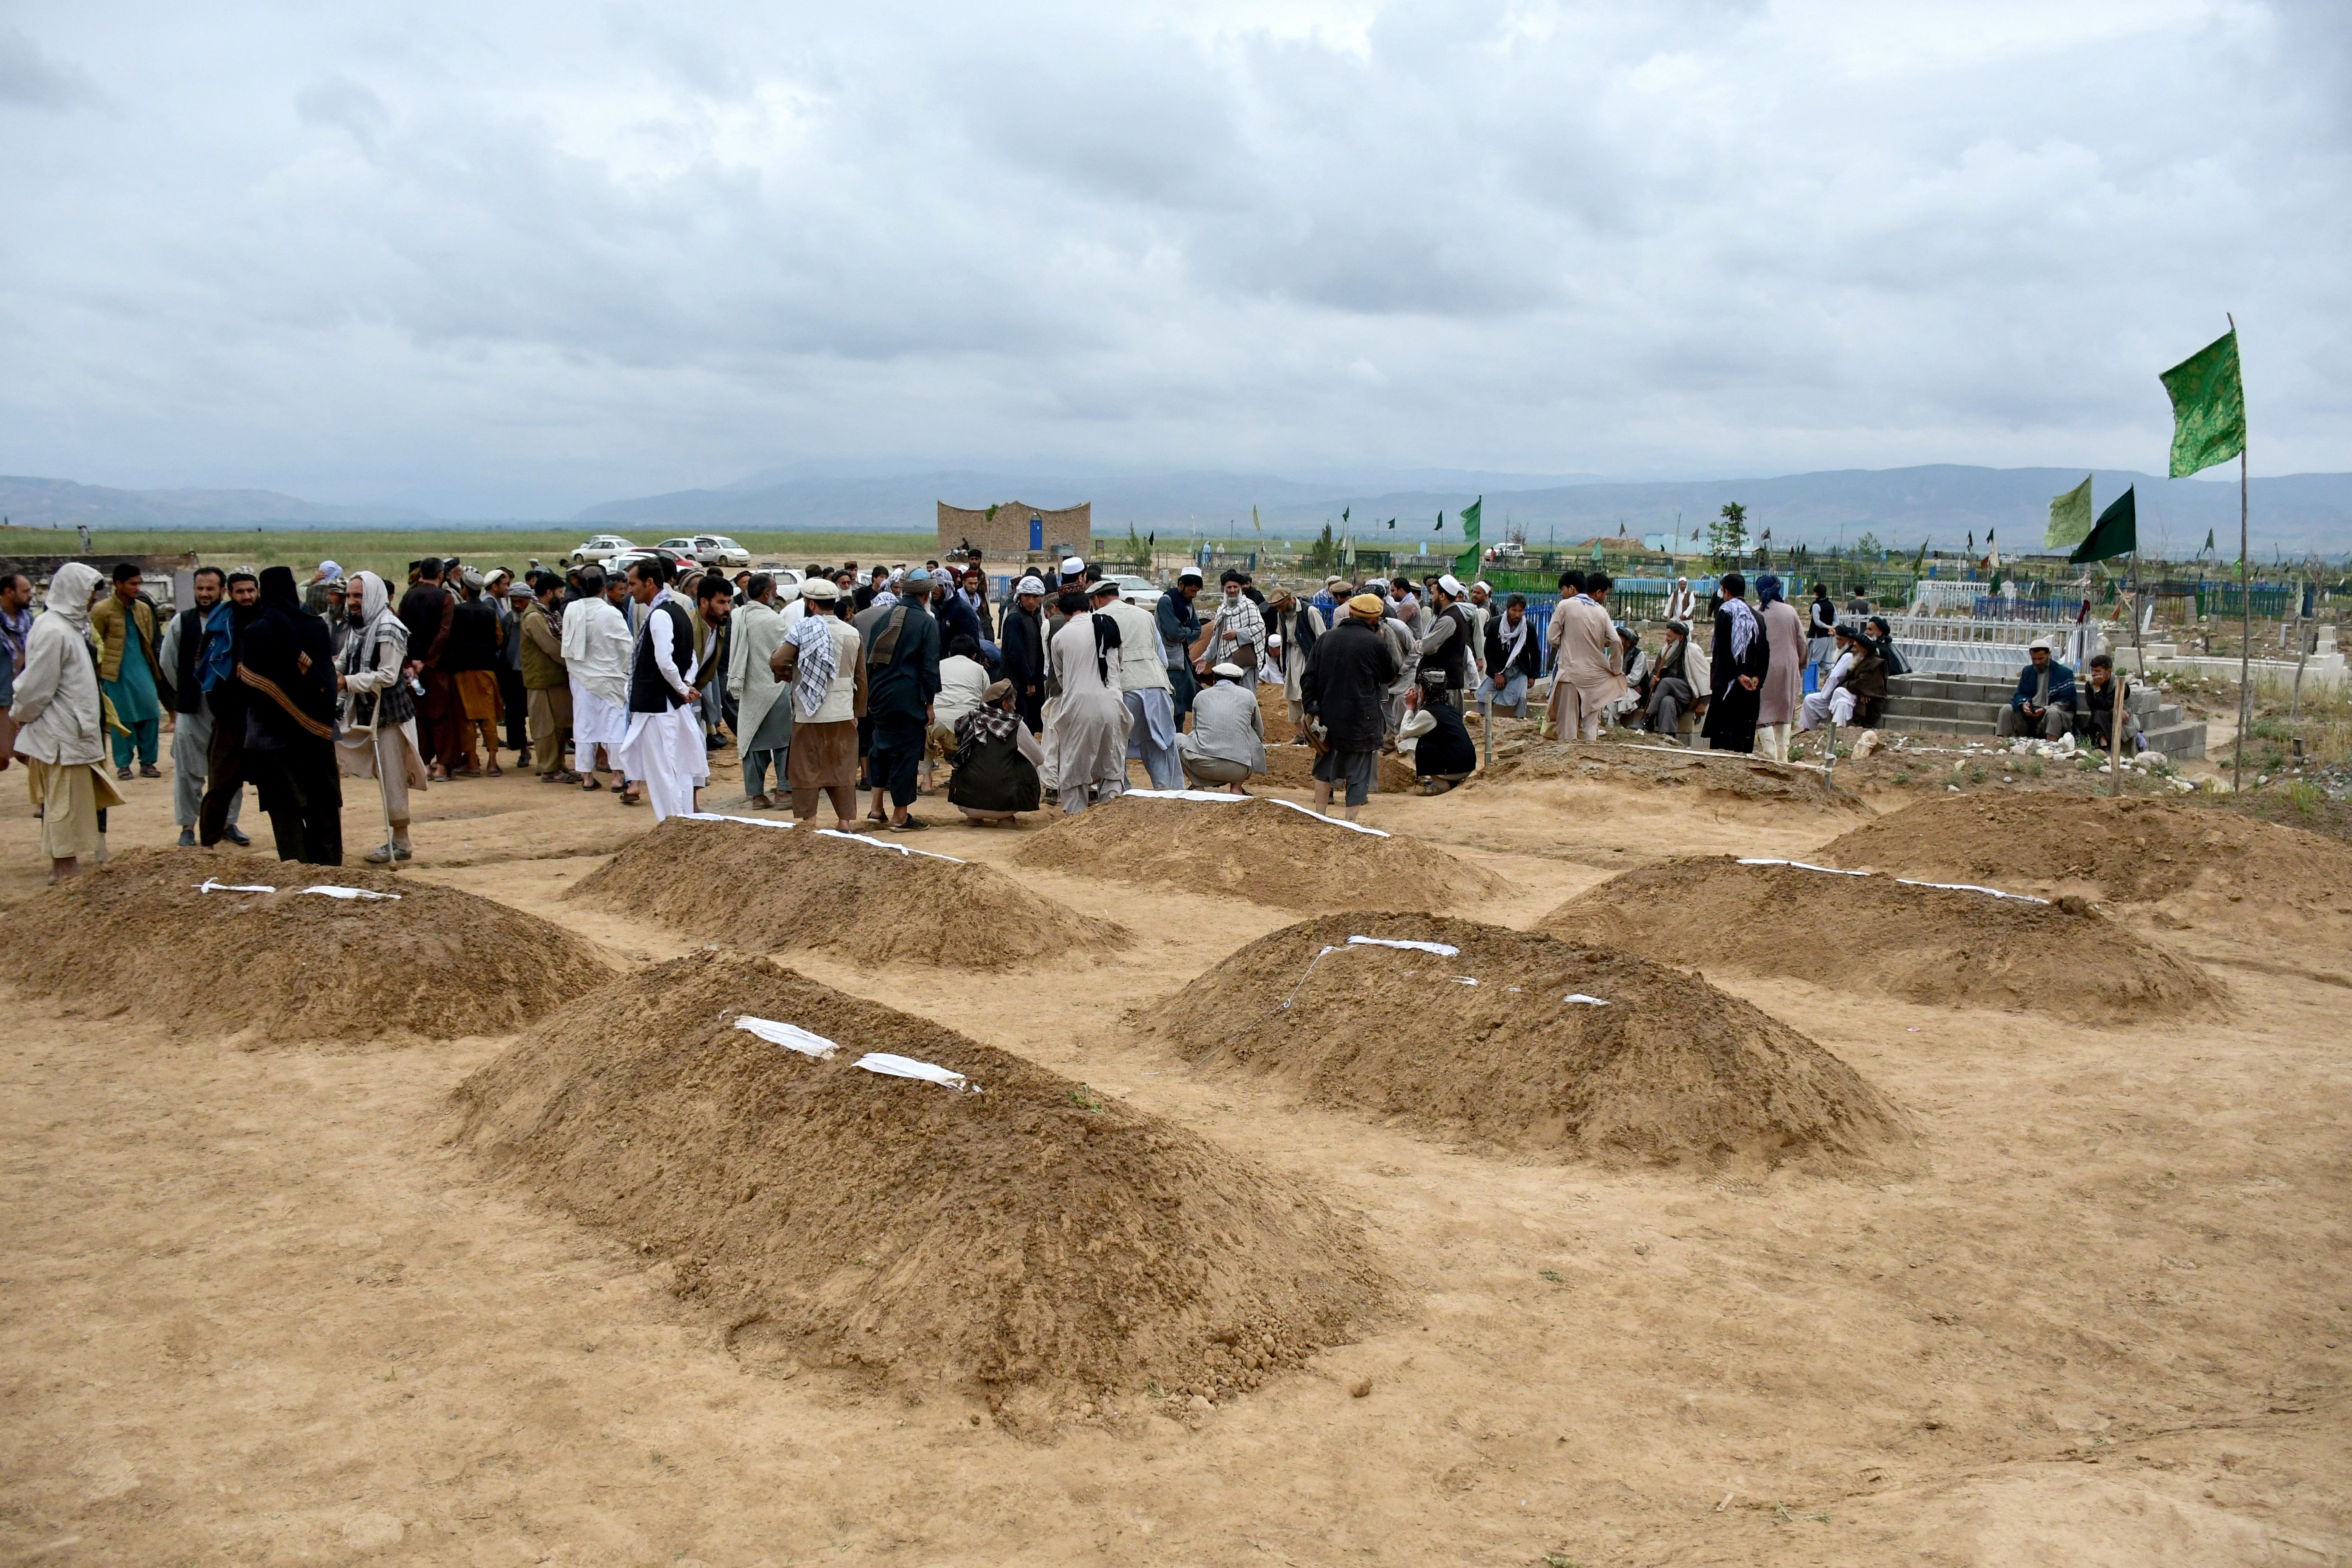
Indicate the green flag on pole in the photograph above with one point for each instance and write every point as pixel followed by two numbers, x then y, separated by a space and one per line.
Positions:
pixel 1468 560
pixel 2070 517
pixel 2115 534
pixel 2209 406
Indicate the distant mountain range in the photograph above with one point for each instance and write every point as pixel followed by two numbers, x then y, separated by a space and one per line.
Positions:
pixel 1943 503
pixel 37 503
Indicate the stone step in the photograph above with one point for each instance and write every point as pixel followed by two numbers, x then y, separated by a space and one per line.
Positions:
pixel 1911 724
pixel 2178 741
pixel 1941 709
pixel 1949 690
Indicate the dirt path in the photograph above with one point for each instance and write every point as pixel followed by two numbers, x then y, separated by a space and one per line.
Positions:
pixel 257 1311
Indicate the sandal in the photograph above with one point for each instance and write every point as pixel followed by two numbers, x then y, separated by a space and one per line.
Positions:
pixel 912 824
pixel 625 798
pixel 497 772
pixel 590 786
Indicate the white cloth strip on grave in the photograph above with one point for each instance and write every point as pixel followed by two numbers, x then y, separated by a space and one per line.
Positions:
pixel 791 1036
pixel 906 1067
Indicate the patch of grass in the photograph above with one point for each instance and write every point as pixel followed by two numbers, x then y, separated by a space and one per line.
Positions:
pixel 1976 775
pixel 1554 1275
pixel 1086 1098
pixel 2305 796
pixel 2033 766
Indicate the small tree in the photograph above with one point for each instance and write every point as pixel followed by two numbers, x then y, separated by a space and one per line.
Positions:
pixel 1324 551
pixel 1726 536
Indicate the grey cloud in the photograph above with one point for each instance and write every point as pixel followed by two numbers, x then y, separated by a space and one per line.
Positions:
pixel 546 254
pixel 30 78
pixel 345 105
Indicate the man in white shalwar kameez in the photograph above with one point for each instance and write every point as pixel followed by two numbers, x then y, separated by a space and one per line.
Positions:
pixel 764 709
pixel 1832 698
pixel 1144 687
pixel 1091 739
pixel 596 655
pixel 663 746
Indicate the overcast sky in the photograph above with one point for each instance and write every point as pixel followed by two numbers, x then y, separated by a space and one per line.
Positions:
pixel 504 259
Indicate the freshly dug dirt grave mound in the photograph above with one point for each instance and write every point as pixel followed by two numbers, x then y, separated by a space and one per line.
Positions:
pixel 1257 848
pixel 1878 935
pixel 435 963
pixel 1031 1236
pixel 1669 1069
pixel 2204 862
pixel 773 887
pixel 1293 767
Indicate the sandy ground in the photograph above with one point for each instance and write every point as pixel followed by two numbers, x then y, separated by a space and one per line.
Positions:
pixel 256 1310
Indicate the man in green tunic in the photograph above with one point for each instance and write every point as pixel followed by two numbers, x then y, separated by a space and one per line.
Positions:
pixel 128 673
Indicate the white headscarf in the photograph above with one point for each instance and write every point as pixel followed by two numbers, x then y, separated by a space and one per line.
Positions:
pixel 70 588
pixel 1743 627
pixel 375 595
pixel 377 625
pixel 813 635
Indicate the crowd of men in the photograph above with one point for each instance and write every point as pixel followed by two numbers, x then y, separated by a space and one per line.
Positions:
pixel 835 680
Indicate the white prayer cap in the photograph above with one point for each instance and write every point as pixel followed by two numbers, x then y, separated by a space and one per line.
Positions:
pixel 1452 584
pixel 1030 585
pixel 1228 671
pixel 1482 582
pixel 2041 643
pixel 1191 572
pixel 1101 585
pixel 1072 566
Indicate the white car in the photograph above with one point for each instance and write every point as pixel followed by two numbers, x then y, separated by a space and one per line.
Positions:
pixel 600 547
pixel 1140 592
pixel 709 549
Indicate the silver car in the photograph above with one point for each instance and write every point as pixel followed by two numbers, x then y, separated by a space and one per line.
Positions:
pixel 599 547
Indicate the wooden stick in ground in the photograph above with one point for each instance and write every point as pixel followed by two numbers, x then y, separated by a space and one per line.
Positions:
pixel 2245 625
pixel 2115 732
pixel 2116 679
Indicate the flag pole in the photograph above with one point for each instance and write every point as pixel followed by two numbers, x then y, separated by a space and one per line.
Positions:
pixel 2116 679
pixel 2245 618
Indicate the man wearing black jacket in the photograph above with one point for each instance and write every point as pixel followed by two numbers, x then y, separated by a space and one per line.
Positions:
pixel 426 609
pixel 1347 678
pixel 1023 650
pixel 286 660
pixel 199 657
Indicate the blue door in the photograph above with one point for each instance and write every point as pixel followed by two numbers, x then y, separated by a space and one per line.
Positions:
pixel 1036 533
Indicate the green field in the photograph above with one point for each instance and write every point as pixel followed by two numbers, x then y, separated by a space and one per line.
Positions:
pixel 388 551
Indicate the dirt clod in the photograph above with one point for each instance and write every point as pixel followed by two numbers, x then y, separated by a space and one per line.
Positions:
pixel 1260 850
pixel 1665 1067
pixel 1008 1241
pixel 1933 945
pixel 435 963
pixel 768 888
